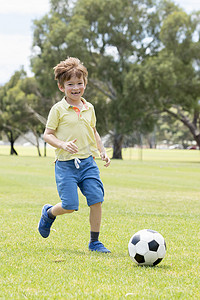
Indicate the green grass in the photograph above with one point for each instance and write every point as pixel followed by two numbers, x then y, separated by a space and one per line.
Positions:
pixel 162 192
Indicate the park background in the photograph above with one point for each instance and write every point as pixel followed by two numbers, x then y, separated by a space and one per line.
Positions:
pixel 143 63
pixel 143 59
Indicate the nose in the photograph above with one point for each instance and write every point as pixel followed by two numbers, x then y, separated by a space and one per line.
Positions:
pixel 75 87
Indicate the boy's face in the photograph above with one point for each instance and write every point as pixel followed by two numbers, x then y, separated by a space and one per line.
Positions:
pixel 73 88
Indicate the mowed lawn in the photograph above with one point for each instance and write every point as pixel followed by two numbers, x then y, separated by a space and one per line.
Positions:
pixel 162 192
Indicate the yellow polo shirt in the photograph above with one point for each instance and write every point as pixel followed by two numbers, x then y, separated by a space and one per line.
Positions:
pixel 70 123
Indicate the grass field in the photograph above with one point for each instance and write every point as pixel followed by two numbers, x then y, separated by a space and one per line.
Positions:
pixel 162 192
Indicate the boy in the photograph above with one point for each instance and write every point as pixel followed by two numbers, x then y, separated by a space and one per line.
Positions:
pixel 71 130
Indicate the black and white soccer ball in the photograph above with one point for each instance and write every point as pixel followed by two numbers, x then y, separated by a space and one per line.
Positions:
pixel 147 247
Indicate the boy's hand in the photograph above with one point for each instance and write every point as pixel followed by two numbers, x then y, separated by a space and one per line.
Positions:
pixel 70 146
pixel 105 158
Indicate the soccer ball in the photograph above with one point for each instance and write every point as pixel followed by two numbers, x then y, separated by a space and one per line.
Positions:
pixel 147 247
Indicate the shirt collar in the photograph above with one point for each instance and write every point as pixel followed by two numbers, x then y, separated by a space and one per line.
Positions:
pixel 67 105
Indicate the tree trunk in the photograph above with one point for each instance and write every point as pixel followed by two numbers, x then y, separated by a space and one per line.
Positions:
pixel 11 139
pixel 117 146
pixel 195 132
pixel 12 149
pixel 197 138
pixel 189 124
pixel 37 141
pixel 45 149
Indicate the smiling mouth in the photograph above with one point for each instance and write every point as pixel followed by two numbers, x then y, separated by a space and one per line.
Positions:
pixel 76 93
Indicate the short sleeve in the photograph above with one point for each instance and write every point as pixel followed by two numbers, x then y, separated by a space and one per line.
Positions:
pixel 53 118
pixel 93 119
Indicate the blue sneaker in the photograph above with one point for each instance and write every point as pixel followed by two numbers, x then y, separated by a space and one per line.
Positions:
pixel 45 222
pixel 98 246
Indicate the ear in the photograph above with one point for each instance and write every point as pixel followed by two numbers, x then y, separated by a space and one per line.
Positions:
pixel 61 88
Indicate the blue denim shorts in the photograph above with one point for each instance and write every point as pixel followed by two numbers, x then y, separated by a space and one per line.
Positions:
pixel 86 176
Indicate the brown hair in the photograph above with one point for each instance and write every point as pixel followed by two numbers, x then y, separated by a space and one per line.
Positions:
pixel 68 68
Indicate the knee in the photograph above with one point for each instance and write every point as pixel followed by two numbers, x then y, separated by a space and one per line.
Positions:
pixel 96 205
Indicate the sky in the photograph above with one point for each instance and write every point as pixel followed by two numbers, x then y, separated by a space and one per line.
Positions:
pixel 16 32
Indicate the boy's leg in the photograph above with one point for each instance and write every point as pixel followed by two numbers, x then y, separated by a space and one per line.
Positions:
pixel 57 210
pixel 95 223
pixel 66 180
pixel 91 187
pixel 49 214
pixel 95 217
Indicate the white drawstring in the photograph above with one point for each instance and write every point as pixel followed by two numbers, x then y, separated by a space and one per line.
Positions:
pixel 77 162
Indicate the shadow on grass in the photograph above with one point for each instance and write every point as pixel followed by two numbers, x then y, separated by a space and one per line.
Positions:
pixel 161 267
pixel 85 253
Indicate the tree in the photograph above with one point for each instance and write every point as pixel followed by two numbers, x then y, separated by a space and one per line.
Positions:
pixel 18 100
pixel 109 37
pixel 172 131
pixel 142 57
pixel 173 76
pixel 10 109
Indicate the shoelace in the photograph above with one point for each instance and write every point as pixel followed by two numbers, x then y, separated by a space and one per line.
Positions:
pixel 77 162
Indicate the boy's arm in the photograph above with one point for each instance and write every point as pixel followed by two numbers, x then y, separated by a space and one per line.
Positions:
pixel 50 138
pixel 101 148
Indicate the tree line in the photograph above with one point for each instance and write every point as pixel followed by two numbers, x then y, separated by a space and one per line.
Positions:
pixel 143 59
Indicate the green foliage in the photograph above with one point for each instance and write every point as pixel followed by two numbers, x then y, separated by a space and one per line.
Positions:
pixel 108 36
pixel 12 104
pixel 142 57
pixel 172 131
pixel 173 75
pixel 19 99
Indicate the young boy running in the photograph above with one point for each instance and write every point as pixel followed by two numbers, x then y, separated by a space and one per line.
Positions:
pixel 71 130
